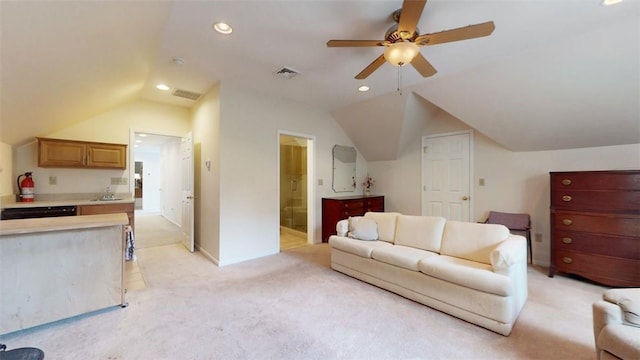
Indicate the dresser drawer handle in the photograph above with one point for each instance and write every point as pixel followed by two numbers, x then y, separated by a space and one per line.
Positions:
pixel 567 260
pixel 566 182
pixel 566 198
pixel 567 221
pixel 567 240
pixel 346 205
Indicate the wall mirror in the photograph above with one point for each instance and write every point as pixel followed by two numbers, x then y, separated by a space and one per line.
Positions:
pixel 344 168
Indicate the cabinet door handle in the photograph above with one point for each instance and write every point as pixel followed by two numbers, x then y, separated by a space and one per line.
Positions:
pixel 566 182
pixel 566 198
pixel 567 240
pixel 567 260
pixel 567 221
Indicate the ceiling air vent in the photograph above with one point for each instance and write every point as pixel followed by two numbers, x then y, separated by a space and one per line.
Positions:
pixel 186 94
pixel 285 73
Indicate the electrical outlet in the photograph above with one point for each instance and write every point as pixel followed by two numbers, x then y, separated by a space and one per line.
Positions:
pixel 118 181
pixel 481 182
pixel 538 237
pixel 53 180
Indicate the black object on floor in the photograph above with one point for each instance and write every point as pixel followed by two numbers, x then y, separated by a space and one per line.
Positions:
pixel 26 353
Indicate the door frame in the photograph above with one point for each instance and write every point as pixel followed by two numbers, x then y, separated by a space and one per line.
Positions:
pixel 311 189
pixel 471 167
pixel 132 163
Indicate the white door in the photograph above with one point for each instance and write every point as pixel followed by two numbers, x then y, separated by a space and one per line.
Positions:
pixel 186 150
pixel 446 176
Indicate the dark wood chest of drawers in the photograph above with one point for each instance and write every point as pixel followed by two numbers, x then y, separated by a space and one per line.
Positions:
pixel 595 226
pixel 335 209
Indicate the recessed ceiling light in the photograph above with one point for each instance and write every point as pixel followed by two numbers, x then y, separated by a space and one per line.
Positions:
pixel 142 135
pixel 610 2
pixel 162 87
pixel 222 28
pixel 363 88
pixel 138 141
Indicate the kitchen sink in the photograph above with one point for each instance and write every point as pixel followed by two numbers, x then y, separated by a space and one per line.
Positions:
pixel 107 199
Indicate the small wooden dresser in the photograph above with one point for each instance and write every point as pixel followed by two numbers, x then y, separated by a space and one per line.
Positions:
pixel 335 209
pixel 595 226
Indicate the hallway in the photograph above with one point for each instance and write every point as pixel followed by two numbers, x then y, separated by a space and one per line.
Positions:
pixel 152 230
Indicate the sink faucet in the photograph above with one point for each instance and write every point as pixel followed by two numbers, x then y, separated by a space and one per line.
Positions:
pixel 108 194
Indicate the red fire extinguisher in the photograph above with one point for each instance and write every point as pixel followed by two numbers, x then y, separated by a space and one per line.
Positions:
pixel 26 188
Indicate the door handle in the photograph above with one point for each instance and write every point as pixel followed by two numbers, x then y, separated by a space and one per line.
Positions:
pixel 465 198
pixel 190 197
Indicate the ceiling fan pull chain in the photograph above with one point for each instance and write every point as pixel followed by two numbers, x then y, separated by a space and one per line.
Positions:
pixel 399 80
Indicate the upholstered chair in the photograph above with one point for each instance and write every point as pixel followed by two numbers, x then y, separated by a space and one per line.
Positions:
pixel 616 324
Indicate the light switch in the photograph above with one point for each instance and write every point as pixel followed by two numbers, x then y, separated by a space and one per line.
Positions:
pixel 481 182
pixel 320 182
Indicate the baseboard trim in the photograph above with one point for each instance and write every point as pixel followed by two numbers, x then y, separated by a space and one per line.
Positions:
pixel 207 255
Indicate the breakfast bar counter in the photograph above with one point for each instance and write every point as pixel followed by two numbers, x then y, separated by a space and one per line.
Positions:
pixel 56 268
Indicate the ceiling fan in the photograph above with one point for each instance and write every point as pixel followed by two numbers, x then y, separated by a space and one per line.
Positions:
pixel 402 40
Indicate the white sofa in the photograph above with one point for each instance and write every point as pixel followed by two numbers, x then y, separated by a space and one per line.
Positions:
pixel 476 272
pixel 616 324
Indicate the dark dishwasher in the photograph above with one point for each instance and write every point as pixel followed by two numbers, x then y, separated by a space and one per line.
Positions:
pixel 37 212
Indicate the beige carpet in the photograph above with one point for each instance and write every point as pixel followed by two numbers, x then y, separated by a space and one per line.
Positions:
pixel 293 306
pixel 155 230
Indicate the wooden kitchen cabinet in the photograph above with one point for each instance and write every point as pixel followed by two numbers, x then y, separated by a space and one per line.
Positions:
pixel 81 154
pixel 335 209
pixel 595 226
pixel 102 208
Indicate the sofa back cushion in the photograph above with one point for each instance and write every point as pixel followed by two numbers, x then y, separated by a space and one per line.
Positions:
pixel 472 241
pixel 386 224
pixel 420 232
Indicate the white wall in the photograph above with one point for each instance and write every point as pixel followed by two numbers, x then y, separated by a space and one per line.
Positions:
pixel 152 190
pixel 243 150
pixel 171 170
pixel 205 118
pixel 111 127
pixel 514 181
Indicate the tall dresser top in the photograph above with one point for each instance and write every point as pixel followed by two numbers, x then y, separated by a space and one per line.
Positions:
pixel 598 191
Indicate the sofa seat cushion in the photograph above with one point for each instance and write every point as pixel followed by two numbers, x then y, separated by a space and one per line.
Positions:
pixel 386 224
pixel 472 241
pixel 361 248
pixel 421 232
pixel 401 256
pixel 466 273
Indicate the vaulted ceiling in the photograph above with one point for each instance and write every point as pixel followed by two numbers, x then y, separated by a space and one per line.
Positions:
pixel 554 74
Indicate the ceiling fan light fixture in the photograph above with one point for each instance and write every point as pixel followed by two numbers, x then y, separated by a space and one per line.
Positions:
pixel 401 53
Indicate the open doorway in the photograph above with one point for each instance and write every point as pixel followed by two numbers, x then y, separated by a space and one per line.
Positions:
pixel 157 189
pixel 294 191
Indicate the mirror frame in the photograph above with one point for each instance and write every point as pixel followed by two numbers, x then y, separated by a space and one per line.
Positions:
pixel 344 178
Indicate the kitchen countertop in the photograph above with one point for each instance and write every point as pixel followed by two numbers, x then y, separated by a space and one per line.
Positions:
pixel 26 226
pixel 70 202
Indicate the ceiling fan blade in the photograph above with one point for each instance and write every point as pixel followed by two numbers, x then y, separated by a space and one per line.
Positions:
pixel 462 33
pixel 423 66
pixel 410 15
pixel 371 68
pixel 353 43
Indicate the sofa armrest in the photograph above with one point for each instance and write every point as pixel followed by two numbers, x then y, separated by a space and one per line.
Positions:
pixel 511 251
pixel 605 313
pixel 342 227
